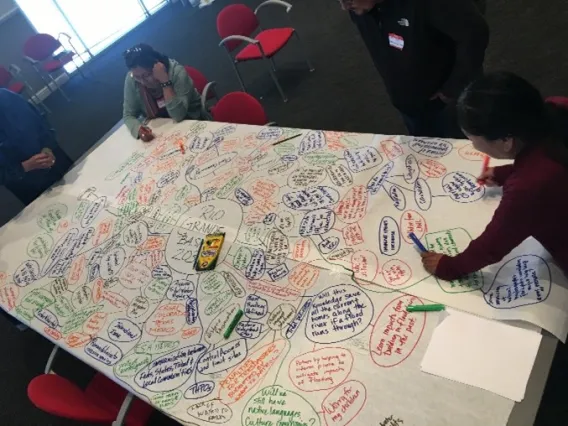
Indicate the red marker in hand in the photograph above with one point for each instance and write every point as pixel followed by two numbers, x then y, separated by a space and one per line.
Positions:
pixel 484 168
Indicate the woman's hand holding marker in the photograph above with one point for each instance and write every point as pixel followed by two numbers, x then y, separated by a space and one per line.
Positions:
pixel 487 177
pixel 430 260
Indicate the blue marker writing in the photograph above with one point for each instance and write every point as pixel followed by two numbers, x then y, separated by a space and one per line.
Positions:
pixel 416 241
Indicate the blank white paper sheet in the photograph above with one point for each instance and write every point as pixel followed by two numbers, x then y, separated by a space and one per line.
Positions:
pixel 487 354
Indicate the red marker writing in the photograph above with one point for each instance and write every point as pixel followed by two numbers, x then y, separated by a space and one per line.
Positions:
pixel 484 168
pixel 181 147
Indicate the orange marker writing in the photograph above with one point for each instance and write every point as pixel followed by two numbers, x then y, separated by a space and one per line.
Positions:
pixel 181 147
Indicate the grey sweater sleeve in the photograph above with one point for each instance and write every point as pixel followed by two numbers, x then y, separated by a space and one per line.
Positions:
pixel 131 108
pixel 187 102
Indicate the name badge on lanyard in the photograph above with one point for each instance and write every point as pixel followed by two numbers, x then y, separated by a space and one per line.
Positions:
pixel 161 103
pixel 396 41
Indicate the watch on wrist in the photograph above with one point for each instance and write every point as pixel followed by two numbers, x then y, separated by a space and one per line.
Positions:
pixel 167 84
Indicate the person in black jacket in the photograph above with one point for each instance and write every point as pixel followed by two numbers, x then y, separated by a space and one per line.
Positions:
pixel 427 51
pixel 31 160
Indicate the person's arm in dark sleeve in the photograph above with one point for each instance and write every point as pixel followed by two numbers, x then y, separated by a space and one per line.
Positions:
pixel 502 173
pixel 462 21
pixel 510 226
pixel 9 171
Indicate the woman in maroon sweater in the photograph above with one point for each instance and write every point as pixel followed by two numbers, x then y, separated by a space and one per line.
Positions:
pixel 506 118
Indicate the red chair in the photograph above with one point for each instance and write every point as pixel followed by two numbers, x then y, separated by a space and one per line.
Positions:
pixel 239 108
pixel 237 22
pixel 558 100
pixel 103 401
pixel 201 84
pixel 40 50
pixel 6 81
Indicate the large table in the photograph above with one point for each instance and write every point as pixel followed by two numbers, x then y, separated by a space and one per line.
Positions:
pixel 316 255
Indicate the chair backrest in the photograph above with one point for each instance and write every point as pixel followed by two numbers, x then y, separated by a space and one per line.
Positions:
pixel 558 100
pixel 41 46
pixel 199 80
pixel 100 402
pixel 236 19
pixel 58 396
pixel 239 108
pixel 5 76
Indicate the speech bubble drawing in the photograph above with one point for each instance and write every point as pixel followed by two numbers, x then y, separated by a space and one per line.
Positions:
pixel 322 369
pixel 521 281
pixel 199 390
pixel 170 371
pixel 365 265
pixel 103 351
pixel 430 147
pixel 276 405
pixel 223 357
pixel 244 377
pixel 123 330
pixel 462 187
pixel 344 403
pixel 396 332
pixel 281 316
pixel 411 169
pixel 212 411
pixel 389 236
pixel 363 158
pixel 338 313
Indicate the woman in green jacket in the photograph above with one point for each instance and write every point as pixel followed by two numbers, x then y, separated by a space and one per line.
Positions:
pixel 157 87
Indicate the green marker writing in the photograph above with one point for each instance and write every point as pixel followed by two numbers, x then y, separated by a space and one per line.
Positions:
pixel 426 308
pixel 233 324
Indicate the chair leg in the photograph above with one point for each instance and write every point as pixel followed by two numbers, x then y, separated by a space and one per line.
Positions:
pixel 49 364
pixel 80 69
pixel 43 105
pixel 59 88
pixel 239 76
pixel 123 410
pixel 273 64
pixel 36 99
pixel 45 80
pixel 273 75
pixel 304 52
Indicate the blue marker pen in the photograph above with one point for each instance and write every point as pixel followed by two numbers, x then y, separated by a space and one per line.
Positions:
pixel 417 242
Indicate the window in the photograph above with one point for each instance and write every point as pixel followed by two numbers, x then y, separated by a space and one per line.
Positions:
pixel 92 25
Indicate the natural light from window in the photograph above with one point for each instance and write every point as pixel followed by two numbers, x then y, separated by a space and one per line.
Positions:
pixel 92 25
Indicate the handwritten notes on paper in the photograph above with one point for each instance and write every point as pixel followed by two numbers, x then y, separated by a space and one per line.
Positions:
pixel 315 255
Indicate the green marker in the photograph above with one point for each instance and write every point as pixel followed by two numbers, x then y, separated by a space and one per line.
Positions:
pixel 426 308
pixel 233 324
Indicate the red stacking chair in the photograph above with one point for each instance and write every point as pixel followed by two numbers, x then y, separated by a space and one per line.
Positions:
pixel 558 100
pixel 6 81
pixel 237 22
pixel 100 402
pixel 40 50
pixel 239 108
pixel 201 84
pixel 103 401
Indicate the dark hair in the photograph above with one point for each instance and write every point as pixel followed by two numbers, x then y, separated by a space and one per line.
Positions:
pixel 143 56
pixel 502 104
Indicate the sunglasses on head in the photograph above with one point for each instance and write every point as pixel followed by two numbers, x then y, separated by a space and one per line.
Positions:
pixel 131 51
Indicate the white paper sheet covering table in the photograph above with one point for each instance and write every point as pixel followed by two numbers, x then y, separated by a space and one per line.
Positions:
pixel 103 266
pixel 488 354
